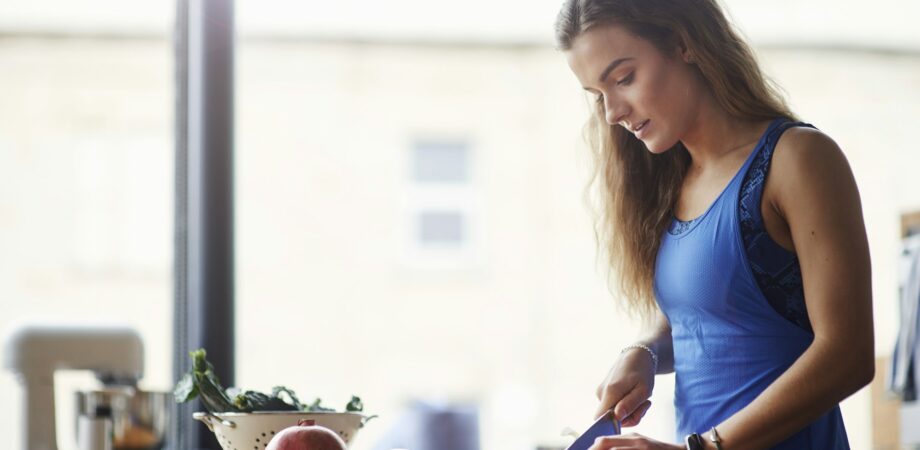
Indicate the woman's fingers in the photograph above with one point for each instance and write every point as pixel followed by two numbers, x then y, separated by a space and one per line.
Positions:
pixel 631 441
pixel 630 402
pixel 616 443
pixel 637 415
pixel 627 385
pixel 610 396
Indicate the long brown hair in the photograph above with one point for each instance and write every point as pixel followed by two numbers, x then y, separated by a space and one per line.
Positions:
pixel 637 189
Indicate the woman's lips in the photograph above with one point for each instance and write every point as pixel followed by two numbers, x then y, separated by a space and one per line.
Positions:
pixel 642 129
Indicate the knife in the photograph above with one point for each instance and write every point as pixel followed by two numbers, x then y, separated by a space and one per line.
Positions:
pixel 606 425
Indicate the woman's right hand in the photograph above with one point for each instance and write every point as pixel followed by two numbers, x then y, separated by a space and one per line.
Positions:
pixel 627 387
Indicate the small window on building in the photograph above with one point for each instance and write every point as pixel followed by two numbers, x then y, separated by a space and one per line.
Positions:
pixel 441 162
pixel 441 222
pixel 441 228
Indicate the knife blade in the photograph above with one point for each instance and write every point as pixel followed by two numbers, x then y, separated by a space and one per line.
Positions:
pixel 606 425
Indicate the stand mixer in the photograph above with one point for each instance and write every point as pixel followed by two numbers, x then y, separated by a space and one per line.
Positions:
pixel 114 354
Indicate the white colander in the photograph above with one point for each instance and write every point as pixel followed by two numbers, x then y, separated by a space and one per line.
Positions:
pixel 245 431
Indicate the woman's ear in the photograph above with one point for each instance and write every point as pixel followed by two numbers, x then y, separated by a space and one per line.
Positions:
pixel 684 52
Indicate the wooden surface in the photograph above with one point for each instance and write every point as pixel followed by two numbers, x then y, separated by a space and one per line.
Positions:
pixel 886 427
pixel 910 221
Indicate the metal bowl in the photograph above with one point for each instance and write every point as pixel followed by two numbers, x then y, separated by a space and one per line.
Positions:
pixel 140 419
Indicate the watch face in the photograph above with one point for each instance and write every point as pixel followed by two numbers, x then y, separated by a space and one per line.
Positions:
pixel 607 425
pixel 694 442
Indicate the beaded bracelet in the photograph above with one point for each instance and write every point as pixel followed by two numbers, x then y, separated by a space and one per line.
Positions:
pixel 647 349
pixel 715 438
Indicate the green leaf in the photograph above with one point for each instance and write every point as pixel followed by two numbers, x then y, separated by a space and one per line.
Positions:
pixel 317 406
pixel 186 389
pixel 355 405
pixel 199 363
pixel 295 402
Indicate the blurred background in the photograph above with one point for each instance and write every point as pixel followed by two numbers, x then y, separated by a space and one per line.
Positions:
pixel 409 214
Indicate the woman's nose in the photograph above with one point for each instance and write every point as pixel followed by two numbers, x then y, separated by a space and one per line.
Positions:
pixel 614 110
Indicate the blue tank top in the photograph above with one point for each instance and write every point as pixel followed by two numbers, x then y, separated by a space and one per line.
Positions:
pixel 730 340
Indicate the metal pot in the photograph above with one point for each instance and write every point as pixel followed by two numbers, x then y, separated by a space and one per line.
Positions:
pixel 140 419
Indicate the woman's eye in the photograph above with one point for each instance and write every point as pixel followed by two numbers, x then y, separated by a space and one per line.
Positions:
pixel 627 80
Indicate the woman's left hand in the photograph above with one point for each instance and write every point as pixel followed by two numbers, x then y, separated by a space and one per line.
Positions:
pixel 632 441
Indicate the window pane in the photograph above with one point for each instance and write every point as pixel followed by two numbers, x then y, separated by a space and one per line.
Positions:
pixel 441 162
pixel 333 300
pixel 441 228
pixel 331 98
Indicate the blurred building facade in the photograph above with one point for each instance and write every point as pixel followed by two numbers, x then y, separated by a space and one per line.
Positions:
pixel 411 222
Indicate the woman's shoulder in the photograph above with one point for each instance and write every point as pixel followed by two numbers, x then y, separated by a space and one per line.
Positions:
pixel 807 160
pixel 805 151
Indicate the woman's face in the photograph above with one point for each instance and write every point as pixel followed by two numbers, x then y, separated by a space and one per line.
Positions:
pixel 640 87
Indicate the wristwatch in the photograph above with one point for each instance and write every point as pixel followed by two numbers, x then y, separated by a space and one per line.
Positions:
pixel 694 442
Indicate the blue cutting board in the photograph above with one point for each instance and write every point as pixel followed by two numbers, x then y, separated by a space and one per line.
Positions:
pixel 605 426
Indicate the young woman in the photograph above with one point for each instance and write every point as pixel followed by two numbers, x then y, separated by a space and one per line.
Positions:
pixel 734 228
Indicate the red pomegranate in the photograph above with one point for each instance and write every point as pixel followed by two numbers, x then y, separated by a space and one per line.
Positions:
pixel 306 436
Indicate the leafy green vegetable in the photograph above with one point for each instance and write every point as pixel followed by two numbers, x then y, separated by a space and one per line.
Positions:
pixel 355 405
pixel 278 390
pixel 201 382
pixel 256 401
pixel 317 406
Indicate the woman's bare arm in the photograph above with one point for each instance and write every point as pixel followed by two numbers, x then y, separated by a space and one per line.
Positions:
pixel 817 195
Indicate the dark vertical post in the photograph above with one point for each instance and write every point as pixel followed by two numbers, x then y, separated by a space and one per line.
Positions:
pixel 204 297
pixel 181 430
